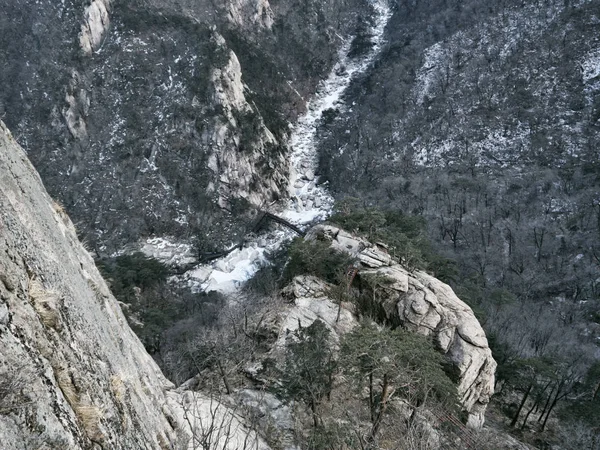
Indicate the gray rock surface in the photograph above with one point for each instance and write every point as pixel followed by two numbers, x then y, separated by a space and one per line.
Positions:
pixel 251 13
pixel 270 413
pixel 235 169
pixel 425 305
pixel 309 303
pixel 72 373
pixel 95 24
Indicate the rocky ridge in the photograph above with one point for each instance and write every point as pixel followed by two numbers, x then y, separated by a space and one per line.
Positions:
pixel 413 299
pixel 234 162
pixel 72 372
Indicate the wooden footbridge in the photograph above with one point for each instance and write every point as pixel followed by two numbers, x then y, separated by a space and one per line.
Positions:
pixel 263 218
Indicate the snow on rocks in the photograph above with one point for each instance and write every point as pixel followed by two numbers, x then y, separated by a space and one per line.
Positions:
pixel 229 273
pixel 248 14
pixel 240 265
pixel 591 66
pixel 303 142
pixel 309 199
pixel 168 251
pixel 433 58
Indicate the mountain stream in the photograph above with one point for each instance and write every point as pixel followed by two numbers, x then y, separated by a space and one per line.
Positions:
pixel 309 200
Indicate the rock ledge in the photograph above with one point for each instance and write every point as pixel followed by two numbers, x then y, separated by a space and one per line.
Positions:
pixel 425 305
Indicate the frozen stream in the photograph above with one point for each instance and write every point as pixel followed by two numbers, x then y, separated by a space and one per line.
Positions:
pixel 308 200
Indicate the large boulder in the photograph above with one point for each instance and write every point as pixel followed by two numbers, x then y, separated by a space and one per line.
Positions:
pixel 309 302
pixel 423 304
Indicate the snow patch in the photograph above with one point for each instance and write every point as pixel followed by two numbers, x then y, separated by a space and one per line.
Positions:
pixel 591 66
pixel 309 200
pixel 231 272
pixel 168 251
pixel 427 73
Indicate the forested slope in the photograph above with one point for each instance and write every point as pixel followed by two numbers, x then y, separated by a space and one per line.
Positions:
pixel 178 111
pixel 469 150
pixel 483 119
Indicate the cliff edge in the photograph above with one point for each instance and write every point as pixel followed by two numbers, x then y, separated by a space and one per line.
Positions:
pixel 423 304
pixel 72 373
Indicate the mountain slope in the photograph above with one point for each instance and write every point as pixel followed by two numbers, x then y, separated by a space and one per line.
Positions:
pixel 484 121
pixel 482 118
pixel 178 111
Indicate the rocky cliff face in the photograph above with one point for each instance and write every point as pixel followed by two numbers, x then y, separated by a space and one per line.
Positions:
pixel 95 24
pixel 251 13
pixel 414 300
pixel 72 373
pixel 240 142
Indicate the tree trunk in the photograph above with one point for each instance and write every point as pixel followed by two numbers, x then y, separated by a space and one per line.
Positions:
pixel 546 405
pixel 224 376
pixel 518 413
pixel 535 405
pixel 382 407
pixel 549 411
pixel 557 397
pixel 371 400
pixel 315 416
pixel 538 235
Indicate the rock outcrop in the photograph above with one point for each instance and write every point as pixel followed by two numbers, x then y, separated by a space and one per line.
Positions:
pixel 243 147
pixel 72 373
pixel 95 25
pixel 310 302
pixel 418 302
pixel 251 13
pixel 77 107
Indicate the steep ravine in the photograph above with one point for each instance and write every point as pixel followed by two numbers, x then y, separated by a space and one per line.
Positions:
pixel 176 110
pixel 76 375
pixel 73 374
pixel 308 199
pixel 420 302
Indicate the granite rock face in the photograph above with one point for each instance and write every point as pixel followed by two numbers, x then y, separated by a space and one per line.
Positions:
pixel 235 155
pixel 309 302
pixel 95 25
pixel 425 305
pixel 72 372
pixel 251 13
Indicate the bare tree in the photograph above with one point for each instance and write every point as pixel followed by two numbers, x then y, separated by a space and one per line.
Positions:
pixel 213 425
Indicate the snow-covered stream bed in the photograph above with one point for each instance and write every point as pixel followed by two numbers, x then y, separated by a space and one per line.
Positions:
pixel 308 200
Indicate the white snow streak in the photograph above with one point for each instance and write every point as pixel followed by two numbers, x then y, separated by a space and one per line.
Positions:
pixel 309 199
